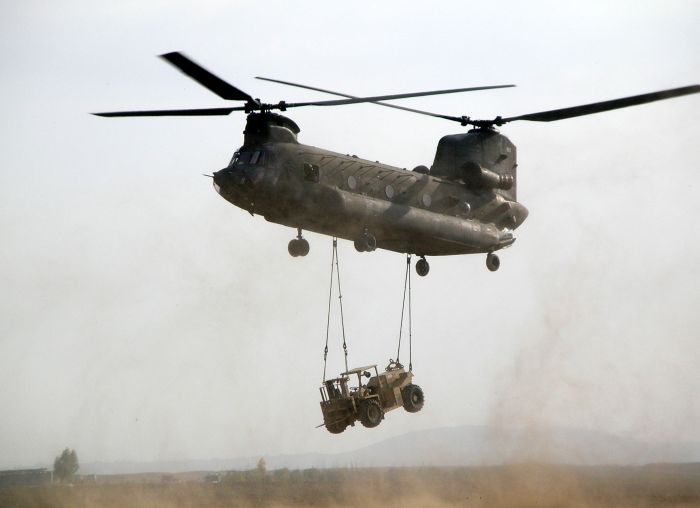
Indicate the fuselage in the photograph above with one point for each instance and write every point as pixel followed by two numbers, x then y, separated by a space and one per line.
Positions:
pixel 345 196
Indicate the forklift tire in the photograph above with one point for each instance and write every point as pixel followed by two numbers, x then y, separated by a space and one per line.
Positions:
pixel 371 413
pixel 412 398
pixel 336 428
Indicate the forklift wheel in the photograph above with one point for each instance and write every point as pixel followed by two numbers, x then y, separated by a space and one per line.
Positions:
pixel 412 398
pixel 336 428
pixel 371 413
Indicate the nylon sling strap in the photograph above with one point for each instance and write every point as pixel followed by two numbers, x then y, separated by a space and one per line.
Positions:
pixel 406 285
pixel 334 261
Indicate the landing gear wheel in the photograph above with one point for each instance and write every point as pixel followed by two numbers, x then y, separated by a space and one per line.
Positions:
pixel 422 267
pixel 303 246
pixel 370 242
pixel 366 243
pixel 492 261
pixel 298 247
pixel 371 413
pixel 413 399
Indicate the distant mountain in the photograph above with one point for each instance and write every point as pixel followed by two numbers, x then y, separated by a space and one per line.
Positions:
pixel 465 445
pixel 478 445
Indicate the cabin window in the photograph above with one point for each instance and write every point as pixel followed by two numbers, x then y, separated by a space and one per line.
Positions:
pixel 427 200
pixel 311 173
pixel 389 191
pixel 352 182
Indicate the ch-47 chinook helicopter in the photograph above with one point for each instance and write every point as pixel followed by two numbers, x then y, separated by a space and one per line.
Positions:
pixel 465 203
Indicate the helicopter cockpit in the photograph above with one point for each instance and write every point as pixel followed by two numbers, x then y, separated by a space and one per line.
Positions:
pixel 252 157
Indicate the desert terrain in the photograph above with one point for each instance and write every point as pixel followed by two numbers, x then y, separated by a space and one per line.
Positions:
pixel 522 485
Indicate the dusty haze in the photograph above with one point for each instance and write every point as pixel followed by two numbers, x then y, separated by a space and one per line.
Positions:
pixel 523 485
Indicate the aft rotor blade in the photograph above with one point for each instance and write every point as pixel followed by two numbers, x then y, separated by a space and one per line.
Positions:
pixel 420 112
pixel 598 107
pixel 357 100
pixel 173 112
pixel 206 78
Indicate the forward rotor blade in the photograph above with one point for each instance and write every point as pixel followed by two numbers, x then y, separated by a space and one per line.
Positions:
pixel 173 112
pixel 357 100
pixel 420 112
pixel 206 78
pixel 599 107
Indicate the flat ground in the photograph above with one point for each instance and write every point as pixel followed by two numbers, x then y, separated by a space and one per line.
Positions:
pixel 524 485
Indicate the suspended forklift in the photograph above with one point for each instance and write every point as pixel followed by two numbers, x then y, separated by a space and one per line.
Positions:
pixel 343 405
pixel 342 401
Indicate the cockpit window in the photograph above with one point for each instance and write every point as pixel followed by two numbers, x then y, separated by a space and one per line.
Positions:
pixel 236 159
pixel 255 157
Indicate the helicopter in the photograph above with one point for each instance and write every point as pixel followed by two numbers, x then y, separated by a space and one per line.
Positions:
pixel 465 203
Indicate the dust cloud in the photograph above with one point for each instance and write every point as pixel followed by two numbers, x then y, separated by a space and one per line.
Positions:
pixel 515 486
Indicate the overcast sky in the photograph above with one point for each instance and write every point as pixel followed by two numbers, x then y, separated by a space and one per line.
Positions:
pixel 143 317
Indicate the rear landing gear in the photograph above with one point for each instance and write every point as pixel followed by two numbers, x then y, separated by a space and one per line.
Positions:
pixel 492 261
pixel 298 246
pixel 422 267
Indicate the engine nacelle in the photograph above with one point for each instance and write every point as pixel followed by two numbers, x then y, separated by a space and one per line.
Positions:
pixel 477 177
pixel 482 159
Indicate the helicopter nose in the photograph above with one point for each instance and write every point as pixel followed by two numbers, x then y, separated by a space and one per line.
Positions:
pixel 219 177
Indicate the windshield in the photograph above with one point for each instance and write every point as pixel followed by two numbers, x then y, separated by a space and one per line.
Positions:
pixel 257 157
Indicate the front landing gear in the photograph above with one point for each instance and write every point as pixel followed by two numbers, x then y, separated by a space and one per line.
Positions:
pixel 492 261
pixel 422 267
pixel 298 246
